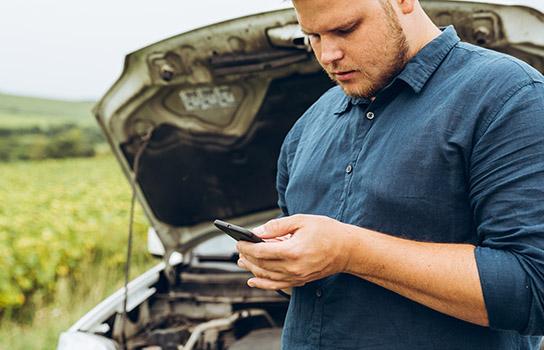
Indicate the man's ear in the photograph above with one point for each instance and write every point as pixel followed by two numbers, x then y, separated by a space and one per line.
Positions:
pixel 406 6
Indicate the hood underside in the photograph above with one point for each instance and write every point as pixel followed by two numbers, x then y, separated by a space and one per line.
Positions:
pixel 217 102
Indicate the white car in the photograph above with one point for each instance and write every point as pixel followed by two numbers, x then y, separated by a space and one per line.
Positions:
pixel 202 116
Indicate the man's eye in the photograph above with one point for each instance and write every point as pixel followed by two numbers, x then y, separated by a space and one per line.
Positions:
pixel 345 31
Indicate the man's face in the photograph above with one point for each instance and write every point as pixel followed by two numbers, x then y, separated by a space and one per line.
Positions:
pixel 359 43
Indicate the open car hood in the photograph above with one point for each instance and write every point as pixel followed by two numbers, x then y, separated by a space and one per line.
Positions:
pixel 217 102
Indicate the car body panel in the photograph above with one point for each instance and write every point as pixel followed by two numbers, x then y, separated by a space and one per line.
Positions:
pixel 208 159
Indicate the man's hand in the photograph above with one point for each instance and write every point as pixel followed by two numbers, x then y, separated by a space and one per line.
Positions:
pixel 442 276
pixel 317 246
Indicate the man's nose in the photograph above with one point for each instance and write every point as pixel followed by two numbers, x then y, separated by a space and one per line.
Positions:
pixel 330 51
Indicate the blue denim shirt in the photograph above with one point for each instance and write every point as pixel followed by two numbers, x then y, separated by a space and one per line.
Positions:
pixel 451 151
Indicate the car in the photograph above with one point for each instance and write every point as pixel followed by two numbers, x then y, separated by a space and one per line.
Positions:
pixel 196 122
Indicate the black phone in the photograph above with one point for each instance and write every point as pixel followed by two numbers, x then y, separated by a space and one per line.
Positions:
pixel 237 232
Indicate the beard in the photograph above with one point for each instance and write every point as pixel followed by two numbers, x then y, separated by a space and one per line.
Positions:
pixel 394 59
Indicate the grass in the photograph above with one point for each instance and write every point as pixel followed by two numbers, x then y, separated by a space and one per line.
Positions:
pixel 41 109
pixel 28 113
pixel 36 128
pixel 69 306
pixel 63 227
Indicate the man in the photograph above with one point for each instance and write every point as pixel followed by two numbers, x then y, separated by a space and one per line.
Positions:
pixel 412 193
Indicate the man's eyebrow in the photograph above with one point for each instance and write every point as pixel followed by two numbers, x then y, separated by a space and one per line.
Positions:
pixel 345 25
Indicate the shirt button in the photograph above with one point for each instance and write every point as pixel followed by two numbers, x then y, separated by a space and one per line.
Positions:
pixel 318 292
pixel 370 115
pixel 349 169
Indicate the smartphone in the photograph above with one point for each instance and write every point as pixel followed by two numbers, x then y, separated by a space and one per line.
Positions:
pixel 243 234
pixel 237 232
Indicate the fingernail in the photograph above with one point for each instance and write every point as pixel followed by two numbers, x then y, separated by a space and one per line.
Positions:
pixel 250 283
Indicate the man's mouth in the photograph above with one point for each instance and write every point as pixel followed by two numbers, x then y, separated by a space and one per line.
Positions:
pixel 344 75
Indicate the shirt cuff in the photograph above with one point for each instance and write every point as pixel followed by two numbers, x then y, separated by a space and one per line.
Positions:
pixel 505 288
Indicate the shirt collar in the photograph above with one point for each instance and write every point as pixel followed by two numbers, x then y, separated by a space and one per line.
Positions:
pixel 419 69
pixel 346 101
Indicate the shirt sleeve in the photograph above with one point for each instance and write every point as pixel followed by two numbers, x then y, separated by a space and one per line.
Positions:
pixel 282 179
pixel 287 153
pixel 507 196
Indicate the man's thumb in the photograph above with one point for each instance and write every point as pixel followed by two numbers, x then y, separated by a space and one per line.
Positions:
pixel 278 227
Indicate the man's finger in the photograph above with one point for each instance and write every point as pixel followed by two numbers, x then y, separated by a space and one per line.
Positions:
pixel 266 250
pixel 275 265
pixel 261 272
pixel 279 227
pixel 264 283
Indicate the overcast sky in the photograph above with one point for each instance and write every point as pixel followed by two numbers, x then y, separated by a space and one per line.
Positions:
pixel 72 49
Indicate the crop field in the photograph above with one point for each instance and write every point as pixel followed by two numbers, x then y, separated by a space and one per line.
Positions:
pixel 63 231
pixel 63 220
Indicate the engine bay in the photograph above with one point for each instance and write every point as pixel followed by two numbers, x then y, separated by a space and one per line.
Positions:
pixel 208 308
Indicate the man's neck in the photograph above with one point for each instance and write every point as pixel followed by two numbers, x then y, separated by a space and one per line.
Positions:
pixel 425 32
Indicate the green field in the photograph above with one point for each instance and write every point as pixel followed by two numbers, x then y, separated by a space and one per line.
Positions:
pixel 35 128
pixel 63 232
pixel 28 110
pixel 63 222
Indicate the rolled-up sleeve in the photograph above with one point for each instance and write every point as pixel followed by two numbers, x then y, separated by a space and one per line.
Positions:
pixel 507 196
